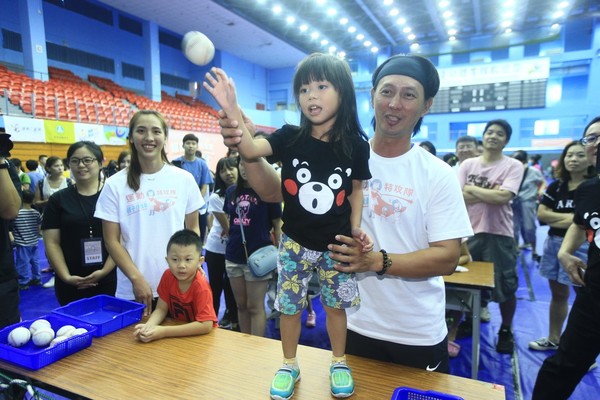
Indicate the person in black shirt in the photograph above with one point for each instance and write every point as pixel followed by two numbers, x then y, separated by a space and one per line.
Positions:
pixel 10 193
pixel 580 342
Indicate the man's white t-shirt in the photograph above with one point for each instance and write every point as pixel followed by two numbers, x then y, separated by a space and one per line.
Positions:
pixel 148 218
pixel 412 200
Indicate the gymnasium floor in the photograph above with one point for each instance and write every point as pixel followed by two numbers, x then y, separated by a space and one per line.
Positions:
pixel 517 373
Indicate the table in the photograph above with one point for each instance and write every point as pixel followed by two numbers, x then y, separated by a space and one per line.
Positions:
pixel 463 293
pixel 224 365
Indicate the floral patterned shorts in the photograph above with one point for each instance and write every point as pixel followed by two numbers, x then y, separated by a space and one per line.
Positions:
pixel 295 266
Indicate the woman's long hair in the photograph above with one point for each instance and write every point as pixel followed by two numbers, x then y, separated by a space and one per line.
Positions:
pixel 222 164
pixel 135 168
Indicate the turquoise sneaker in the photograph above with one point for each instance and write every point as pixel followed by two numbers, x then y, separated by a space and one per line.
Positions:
pixel 342 384
pixel 282 387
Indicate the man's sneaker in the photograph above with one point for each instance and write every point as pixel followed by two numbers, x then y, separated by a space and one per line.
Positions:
pixel 225 322
pixel 35 282
pixel 484 315
pixel 543 344
pixel 506 341
pixel 282 386
pixel 342 384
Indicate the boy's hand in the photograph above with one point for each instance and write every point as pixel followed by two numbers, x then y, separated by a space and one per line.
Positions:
pixel 222 88
pixel 147 333
pixel 363 239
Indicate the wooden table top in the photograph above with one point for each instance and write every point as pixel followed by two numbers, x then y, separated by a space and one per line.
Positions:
pixel 227 365
pixel 479 275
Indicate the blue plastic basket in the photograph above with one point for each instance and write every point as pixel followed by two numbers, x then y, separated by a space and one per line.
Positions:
pixel 406 393
pixel 34 357
pixel 106 313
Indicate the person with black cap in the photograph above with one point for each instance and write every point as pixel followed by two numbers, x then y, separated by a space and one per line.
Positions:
pixel 409 200
pixel 10 187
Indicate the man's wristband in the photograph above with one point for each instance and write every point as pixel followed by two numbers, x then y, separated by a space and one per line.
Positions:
pixel 387 262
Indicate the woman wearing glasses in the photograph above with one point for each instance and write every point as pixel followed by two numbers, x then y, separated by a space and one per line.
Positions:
pixel 73 237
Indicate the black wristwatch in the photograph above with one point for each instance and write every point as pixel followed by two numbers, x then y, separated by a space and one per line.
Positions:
pixel 4 165
pixel 387 262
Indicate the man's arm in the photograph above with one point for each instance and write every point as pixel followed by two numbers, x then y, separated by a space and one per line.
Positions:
pixel 476 194
pixel 440 258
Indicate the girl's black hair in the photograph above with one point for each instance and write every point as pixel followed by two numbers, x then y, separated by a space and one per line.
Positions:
pixel 327 67
pixel 223 163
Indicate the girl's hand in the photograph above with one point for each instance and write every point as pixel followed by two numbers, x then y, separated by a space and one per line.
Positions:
pixel 363 239
pixel 222 88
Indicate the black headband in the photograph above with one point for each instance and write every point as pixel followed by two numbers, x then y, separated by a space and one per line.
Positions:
pixel 416 67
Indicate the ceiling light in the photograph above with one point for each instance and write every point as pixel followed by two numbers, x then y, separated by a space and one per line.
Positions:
pixel 507 30
pixel 411 37
pixel 447 14
pixel 508 14
pixel 387 2
pixel 414 46
pixel 374 49
pixel 444 4
pixel 277 9
pixel 401 21
pixel 367 43
pixel 506 24
pixel 508 3
pixel 452 32
pixel 407 29
pixel 331 12
pixel 558 14
pixel 394 12
pixel 450 23
pixel 352 29
pixel 342 54
pixel 343 21
pixel 452 38
pixel 315 35
pixel 290 20
pixel 324 42
pixel 555 26
pixel 563 4
pixel 303 27
pixel 320 2
pixel 360 36
pixel 332 49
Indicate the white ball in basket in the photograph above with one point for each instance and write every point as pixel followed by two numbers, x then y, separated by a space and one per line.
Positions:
pixel 66 331
pixel 79 331
pixel 197 48
pixel 19 336
pixel 57 340
pixel 42 337
pixel 37 324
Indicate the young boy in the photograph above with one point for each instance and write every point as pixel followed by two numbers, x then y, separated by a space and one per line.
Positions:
pixel 184 293
pixel 26 236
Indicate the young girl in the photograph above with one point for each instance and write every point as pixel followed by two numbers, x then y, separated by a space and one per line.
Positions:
pixel 246 210
pixel 556 209
pixel 216 242
pixel 324 162
pixel 142 206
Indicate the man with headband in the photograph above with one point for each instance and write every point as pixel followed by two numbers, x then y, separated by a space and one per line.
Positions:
pixel 415 214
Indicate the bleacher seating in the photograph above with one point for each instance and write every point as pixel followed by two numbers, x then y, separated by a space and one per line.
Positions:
pixel 66 96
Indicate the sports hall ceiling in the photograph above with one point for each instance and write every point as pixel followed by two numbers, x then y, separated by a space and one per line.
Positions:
pixel 252 30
